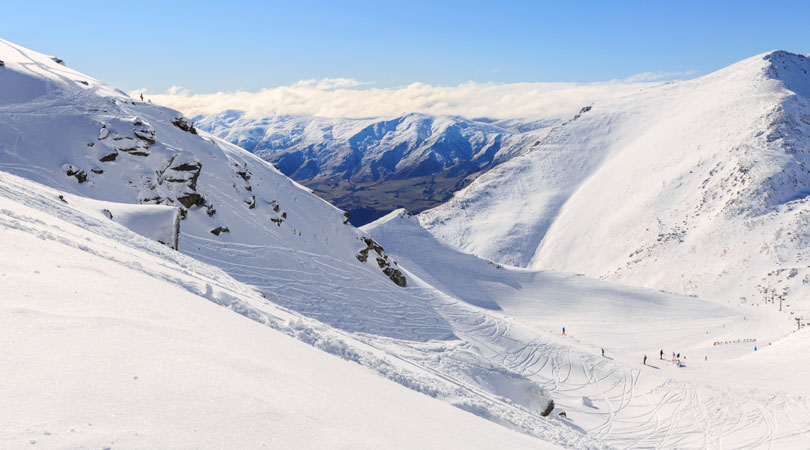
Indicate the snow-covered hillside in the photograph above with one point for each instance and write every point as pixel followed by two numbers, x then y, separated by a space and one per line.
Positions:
pixel 111 340
pixel 110 337
pixel 372 166
pixel 698 187
pixel 719 384
pixel 68 131
pixel 130 163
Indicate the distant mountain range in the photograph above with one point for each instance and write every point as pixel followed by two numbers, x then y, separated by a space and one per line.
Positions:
pixel 369 167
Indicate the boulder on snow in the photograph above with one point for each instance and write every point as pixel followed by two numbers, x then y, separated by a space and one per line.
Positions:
pixel 72 171
pixel 191 199
pixel 219 230
pixel 109 157
pixel 184 124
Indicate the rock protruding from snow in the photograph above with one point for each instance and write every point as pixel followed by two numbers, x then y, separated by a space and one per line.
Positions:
pixel 387 266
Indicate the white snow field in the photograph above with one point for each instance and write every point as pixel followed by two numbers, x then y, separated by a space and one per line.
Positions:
pixel 106 332
pixel 69 132
pixel 108 340
pixel 734 398
pixel 696 187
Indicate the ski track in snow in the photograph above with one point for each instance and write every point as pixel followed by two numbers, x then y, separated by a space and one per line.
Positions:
pixel 497 366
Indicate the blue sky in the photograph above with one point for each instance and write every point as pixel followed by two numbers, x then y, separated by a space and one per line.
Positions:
pixel 209 46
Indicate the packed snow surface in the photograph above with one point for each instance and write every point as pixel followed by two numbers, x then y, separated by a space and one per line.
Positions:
pixel 109 340
pixel 277 324
pixel 719 384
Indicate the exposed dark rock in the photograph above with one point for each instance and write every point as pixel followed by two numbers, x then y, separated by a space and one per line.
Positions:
pixel 156 200
pixel 371 244
pixel 382 261
pixel 209 209
pixel 244 174
pixel 184 124
pixel 109 157
pixel 218 230
pixel 144 134
pixel 284 215
pixel 191 199
pixel 107 213
pixel 396 276
pixel 138 153
pixel 57 60
pixel 251 202
pixel 81 175
pixel 188 167
pixel 91 144
pixel 277 221
pixel 549 408
pixel 346 220
pixel 97 171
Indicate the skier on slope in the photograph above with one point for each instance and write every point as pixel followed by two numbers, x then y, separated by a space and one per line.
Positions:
pixel 645 360
pixel 603 353
pixel 662 354
pixel 563 331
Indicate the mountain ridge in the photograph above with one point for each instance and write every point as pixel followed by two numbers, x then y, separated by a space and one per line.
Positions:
pixel 650 176
pixel 371 166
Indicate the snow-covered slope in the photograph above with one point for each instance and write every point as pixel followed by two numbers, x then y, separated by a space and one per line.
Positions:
pixel 68 131
pixel 727 387
pixel 371 166
pixel 444 324
pixel 111 340
pixel 697 187
pixel 240 214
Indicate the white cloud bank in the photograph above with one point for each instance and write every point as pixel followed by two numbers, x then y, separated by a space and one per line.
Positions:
pixel 346 97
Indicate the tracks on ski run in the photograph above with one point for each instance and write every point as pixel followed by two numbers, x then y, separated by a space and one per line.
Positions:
pixel 633 408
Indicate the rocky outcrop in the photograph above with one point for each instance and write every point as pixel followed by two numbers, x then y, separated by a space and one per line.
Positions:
pixel 191 199
pixel 109 157
pixel 219 230
pixel 386 265
pixel 79 174
pixel 184 124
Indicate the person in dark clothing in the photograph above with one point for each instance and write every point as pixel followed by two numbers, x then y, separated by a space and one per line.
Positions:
pixel 645 360
pixel 678 357
pixel 662 353
pixel 603 353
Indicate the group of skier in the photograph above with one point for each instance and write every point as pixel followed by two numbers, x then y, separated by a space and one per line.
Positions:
pixel 676 357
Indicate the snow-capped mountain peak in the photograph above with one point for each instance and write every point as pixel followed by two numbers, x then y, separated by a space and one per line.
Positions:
pixel 697 186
